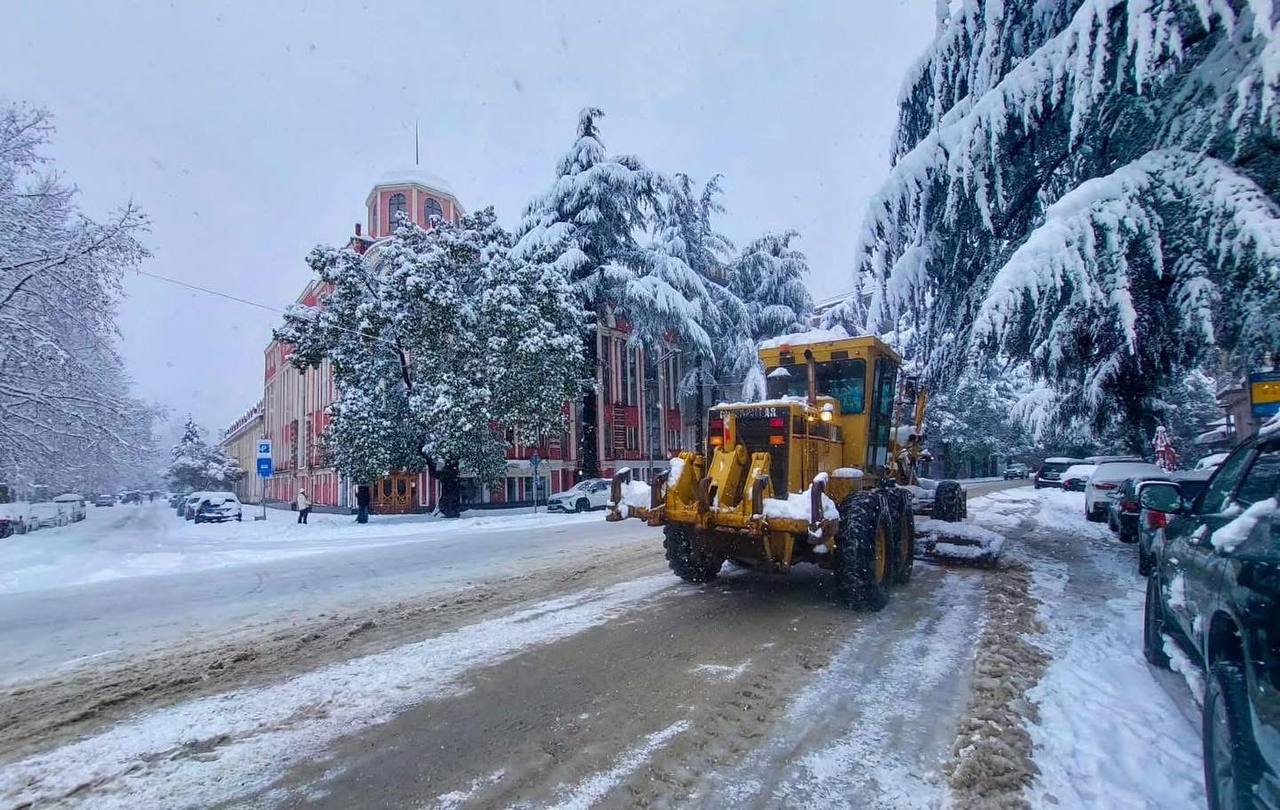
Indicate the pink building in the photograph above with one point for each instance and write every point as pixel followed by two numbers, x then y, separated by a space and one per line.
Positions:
pixel 641 425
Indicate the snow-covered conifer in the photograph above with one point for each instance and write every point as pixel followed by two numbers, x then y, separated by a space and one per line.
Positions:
pixel 1089 188
pixel 197 466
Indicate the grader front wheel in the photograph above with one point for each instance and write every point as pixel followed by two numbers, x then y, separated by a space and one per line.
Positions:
pixel 864 553
pixel 904 533
pixel 685 555
pixel 949 503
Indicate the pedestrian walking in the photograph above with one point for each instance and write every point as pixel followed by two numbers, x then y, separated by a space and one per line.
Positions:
pixel 304 506
pixel 362 503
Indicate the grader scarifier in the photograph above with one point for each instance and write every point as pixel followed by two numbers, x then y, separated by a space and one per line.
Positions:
pixel 821 472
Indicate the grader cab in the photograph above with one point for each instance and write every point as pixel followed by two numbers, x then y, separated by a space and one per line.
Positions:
pixel 822 471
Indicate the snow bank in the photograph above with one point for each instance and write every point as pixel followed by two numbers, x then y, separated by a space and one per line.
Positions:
pixel 983 543
pixel 797 507
pixel 1234 533
pixel 846 472
pixel 150 540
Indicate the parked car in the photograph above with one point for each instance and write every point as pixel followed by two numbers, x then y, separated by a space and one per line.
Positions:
pixel 1016 470
pixel 1122 516
pixel 1151 524
pixel 187 509
pixel 590 493
pixel 104 500
pixel 1076 476
pixel 1215 591
pixel 131 497
pixel 74 504
pixel 1211 462
pixel 217 507
pixel 1109 459
pixel 1051 470
pixel 1104 484
pixel 13 519
pixel 47 515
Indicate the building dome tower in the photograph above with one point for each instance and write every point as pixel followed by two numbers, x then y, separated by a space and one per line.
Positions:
pixel 418 194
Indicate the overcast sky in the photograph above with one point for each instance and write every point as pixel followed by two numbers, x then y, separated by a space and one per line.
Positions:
pixel 250 131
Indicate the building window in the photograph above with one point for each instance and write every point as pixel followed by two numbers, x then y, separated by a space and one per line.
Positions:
pixel 396 205
pixel 431 209
pixel 631 437
pixel 512 493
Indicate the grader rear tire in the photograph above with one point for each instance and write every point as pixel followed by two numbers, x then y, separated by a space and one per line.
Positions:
pixel 685 555
pixel 949 502
pixel 863 561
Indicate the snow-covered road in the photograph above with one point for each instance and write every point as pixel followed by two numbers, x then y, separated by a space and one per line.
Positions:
pixel 132 577
pixel 558 664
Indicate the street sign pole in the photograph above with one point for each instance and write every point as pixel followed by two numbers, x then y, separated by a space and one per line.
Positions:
pixel 265 469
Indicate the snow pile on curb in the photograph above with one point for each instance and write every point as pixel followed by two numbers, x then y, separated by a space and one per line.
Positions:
pixel 635 494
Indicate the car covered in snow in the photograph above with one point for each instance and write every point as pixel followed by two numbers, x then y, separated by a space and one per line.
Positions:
pixel 1104 485
pixel 187 508
pixel 218 507
pixel 590 493
pixel 1151 523
pixel 1076 476
pixel 73 504
pixel 13 519
pixel 1051 469
pixel 1213 602
pixel 1016 470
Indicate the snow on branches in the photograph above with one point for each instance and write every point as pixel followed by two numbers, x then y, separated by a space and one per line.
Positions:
pixel 68 415
pixel 439 341
pixel 1088 187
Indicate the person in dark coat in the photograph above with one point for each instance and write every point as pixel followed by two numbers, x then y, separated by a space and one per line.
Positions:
pixel 362 503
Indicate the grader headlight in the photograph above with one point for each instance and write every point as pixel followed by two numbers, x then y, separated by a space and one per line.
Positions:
pixel 828 412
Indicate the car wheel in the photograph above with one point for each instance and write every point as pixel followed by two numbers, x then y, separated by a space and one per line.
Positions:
pixel 1232 764
pixel 1153 626
pixel 582 505
pixel 239 518
pixel 1144 563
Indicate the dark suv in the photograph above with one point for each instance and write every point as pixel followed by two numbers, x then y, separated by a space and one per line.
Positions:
pixel 1215 591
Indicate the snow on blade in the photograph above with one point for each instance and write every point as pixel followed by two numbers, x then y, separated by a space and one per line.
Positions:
pixel 256 734
pixel 797 506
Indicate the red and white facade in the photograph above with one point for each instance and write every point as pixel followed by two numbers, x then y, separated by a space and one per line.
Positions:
pixel 641 424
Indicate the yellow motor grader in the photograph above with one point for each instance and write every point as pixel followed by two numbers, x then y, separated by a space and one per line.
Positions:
pixel 820 472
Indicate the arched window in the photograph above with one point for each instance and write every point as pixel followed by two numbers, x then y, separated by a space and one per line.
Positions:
pixel 431 208
pixel 397 205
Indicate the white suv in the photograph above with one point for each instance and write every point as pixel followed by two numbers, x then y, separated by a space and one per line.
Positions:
pixel 592 493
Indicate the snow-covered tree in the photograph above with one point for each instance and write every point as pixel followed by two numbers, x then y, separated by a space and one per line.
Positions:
pixel 769 278
pixel 64 395
pixel 197 465
pixel 439 340
pixel 590 225
pixel 1088 187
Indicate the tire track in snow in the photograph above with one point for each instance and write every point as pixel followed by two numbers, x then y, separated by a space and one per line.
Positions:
pixel 873 760
pixel 218 748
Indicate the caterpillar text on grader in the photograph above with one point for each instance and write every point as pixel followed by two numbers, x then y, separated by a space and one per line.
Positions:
pixel 765 494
